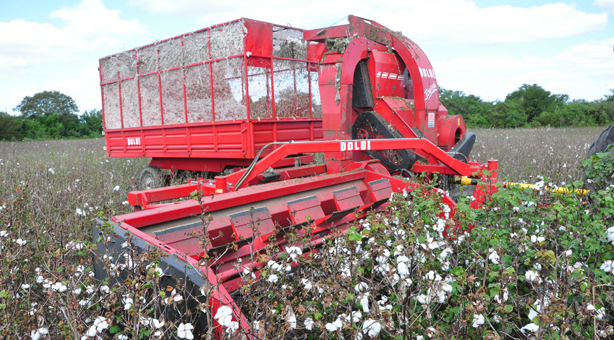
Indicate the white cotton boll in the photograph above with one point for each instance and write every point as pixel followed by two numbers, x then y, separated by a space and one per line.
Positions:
pixel 274 265
pixel 478 320
pixel 371 328
pixel 364 302
pixel 306 284
pixel 423 299
pixel 356 316
pixel 309 324
pixel 91 332
pixel 537 266
pixel 541 239
pixel 402 258
pixel 533 238
pixel 446 287
pixel 607 266
pixel 156 324
pixel 128 303
pixel 272 278
pixel 331 327
pixel 445 253
pixel 532 276
pixel 530 328
pixel 494 257
pixel 101 324
pixel 430 275
pixel 403 270
pixel 184 331
pixel 224 316
pixel 116 188
pixel 294 252
pixel 568 253
pixel 361 287
pixel 291 319
pixel 35 334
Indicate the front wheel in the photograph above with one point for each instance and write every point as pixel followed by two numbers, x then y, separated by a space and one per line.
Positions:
pixel 150 178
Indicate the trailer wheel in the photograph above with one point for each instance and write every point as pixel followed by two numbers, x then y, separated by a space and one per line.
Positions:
pixel 150 178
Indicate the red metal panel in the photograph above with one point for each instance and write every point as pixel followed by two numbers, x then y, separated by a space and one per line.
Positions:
pixel 303 208
pixel 380 189
pixel 348 198
pixel 253 222
pixel 259 38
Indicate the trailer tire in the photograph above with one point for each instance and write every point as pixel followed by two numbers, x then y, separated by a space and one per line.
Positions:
pixel 150 178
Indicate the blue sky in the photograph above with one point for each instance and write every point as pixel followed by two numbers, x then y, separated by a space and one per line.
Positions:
pixel 486 48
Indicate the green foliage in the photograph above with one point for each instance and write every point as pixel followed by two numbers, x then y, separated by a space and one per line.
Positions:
pixel 529 106
pixel 46 103
pixel 9 127
pixel 50 115
pixel 599 168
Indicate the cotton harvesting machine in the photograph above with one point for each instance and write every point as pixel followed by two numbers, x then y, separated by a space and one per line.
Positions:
pixel 250 103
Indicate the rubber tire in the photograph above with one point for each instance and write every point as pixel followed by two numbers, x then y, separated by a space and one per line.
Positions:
pixel 601 144
pixel 150 178
pixel 605 139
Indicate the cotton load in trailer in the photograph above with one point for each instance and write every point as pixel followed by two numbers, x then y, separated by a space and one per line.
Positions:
pixel 210 99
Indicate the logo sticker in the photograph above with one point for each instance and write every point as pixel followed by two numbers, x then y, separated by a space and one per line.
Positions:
pixel 133 141
pixel 355 146
pixel 431 119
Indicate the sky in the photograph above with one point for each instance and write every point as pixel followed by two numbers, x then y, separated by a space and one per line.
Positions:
pixel 488 48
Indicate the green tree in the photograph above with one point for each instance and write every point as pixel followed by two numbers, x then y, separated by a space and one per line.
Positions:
pixel 45 103
pixel 472 108
pixel 92 120
pixel 9 127
pixel 534 100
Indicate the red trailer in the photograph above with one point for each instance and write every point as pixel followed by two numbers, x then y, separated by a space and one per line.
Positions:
pixel 209 100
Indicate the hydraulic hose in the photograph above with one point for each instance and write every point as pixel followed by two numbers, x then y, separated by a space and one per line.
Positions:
pixel 253 164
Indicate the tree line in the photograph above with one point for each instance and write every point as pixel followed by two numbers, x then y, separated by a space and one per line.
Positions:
pixel 49 115
pixel 53 115
pixel 529 106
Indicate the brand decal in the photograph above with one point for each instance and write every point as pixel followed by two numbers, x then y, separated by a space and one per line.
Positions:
pixel 430 91
pixel 431 119
pixel 427 72
pixel 134 141
pixel 355 146
pixel 386 75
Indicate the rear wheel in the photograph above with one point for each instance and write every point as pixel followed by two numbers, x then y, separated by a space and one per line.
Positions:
pixel 602 144
pixel 150 178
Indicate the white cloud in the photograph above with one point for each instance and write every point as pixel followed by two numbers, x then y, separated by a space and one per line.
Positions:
pixel 88 26
pixel 424 21
pixel 607 5
pixel 40 56
pixel 582 71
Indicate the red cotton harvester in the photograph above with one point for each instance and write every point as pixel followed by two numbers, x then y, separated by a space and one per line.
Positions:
pixel 262 99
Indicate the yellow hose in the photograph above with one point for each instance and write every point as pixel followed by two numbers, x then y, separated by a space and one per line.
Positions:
pixel 464 180
pixel 581 192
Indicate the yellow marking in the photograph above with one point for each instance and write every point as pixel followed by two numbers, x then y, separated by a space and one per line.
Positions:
pixel 219 191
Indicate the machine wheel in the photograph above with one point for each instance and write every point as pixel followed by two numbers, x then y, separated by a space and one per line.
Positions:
pixel 370 125
pixel 601 144
pixel 150 178
pixel 605 139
